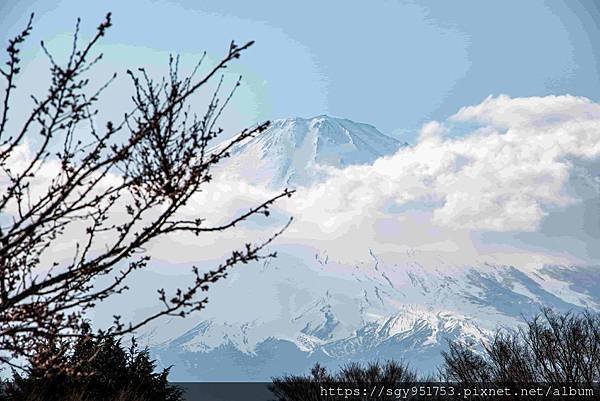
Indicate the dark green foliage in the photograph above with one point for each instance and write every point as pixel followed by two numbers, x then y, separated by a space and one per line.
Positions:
pixel 103 370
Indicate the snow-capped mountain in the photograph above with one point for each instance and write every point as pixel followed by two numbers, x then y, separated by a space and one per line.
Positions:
pixel 284 314
pixel 288 313
pixel 295 151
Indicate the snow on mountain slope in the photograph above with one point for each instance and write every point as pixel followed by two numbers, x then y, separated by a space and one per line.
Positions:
pixel 308 306
pixel 295 151
pixel 288 313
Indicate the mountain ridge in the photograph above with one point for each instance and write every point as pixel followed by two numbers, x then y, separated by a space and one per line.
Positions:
pixel 296 308
pixel 297 151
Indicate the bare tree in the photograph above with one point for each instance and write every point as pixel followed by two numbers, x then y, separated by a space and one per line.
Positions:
pixel 352 381
pixel 552 348
pixel 145 167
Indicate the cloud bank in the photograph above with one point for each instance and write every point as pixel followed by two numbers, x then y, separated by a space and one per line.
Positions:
pixel 525 159
pixel 503 167
pixel 507 176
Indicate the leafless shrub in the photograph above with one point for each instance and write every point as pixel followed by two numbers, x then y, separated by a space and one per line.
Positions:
pixel 353 377
pixel 552 348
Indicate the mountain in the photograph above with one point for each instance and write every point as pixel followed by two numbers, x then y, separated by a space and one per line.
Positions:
pixel 295 151
pixel 284 314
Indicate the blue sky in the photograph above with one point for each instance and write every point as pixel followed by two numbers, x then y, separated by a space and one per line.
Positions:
pixel 393 64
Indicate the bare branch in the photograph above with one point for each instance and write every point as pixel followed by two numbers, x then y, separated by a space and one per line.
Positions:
pixel 115 189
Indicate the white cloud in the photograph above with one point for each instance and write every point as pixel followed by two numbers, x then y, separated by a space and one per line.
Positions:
pixel 432 130
pixel 504 111
pixel 505 176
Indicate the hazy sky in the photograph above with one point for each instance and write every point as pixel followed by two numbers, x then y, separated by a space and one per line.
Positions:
pixel 393 64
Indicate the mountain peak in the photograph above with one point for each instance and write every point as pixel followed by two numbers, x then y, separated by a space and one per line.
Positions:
pixel 316 121
pixel 294 151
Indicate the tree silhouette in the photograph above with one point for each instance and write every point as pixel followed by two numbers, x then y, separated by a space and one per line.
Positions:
pixel 105 370
pixel 552 348
pixel 142 169
pixel 321 384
